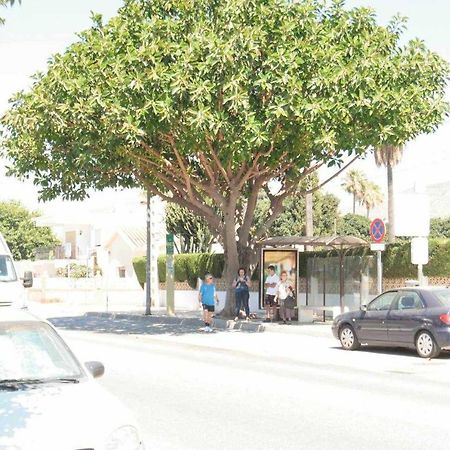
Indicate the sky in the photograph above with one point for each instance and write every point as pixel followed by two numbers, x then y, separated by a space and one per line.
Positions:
pixel 35 30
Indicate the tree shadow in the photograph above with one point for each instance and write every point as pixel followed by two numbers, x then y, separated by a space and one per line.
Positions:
pixel 139 325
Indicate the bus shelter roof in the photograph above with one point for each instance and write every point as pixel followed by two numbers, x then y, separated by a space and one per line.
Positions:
pixel 334 242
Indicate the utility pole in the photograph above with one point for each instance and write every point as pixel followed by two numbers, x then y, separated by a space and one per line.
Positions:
pixel 148 292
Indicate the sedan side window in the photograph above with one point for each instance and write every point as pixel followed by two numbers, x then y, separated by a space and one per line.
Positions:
pixel 408 300
pixel 383 302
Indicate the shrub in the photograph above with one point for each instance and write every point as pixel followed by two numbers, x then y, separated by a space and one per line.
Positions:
pixel 76 271
pixel 187 267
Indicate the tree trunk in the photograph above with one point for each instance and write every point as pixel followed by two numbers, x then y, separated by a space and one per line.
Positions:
pixel 354 203
pixel 391 218
pixel 231 255
pixel 309 225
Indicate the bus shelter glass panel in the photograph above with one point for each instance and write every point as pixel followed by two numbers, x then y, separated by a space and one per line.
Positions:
pixel 324 281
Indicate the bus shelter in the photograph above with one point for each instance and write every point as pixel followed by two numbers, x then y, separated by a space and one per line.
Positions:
pixel 284 252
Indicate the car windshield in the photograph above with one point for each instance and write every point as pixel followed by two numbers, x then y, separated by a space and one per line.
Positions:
pixel 443 295
pixel 33 351
pixel 7 272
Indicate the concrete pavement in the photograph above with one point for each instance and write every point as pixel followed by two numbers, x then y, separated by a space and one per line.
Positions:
pixel 270 390
pixel 287 388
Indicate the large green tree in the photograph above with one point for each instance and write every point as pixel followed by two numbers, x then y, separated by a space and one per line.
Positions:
pixel 6 3
pixel 20 231
pixel 205 102
pixel 191 229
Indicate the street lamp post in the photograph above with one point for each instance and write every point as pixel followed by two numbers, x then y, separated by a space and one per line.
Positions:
pixel 148 292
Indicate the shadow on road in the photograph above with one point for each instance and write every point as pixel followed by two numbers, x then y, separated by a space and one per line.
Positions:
pixel 140 325
pixel 400 351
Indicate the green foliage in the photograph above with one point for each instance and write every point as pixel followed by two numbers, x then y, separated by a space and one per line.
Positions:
pixel 188 267
pixel 139 269
pixel 354 225
pixel 74 270
pixel 439 254
pixel 6 3
pixel 397 259
pixel 21 233
pixel 299 77
pixel 190 228
pixel 440 227
pixel 291 221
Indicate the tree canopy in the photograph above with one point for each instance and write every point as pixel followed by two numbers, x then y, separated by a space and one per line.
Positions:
pixel 21 233
pixel 205 102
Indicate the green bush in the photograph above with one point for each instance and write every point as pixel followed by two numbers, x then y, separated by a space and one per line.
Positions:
pixel 439 263
pixel 76 271
pixel 187 267
pixel 397 259
pixel 139 269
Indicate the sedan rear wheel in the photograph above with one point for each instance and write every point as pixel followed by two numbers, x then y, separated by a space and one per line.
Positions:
pixel 348 338
pixel 426 346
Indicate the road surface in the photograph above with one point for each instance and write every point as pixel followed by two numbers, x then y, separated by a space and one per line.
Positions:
pixel 233 390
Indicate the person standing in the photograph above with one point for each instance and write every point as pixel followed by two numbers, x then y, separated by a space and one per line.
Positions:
pixel 282 290
pixel 270 303
pixel 242 285
pixel 207 297
pixel 289 305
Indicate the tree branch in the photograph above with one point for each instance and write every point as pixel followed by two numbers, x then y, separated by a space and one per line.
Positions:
pixel 316 188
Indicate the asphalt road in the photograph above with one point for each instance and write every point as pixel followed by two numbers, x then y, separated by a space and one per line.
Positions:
pixel 233 390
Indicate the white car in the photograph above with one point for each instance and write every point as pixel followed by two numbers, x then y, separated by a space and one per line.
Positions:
pixel 48 400
pixel 12 292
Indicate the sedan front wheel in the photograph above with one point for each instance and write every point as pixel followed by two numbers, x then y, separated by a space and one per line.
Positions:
pixel 426 346
pixel 348 338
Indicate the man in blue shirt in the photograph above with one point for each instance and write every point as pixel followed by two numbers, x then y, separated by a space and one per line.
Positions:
pixel 207 297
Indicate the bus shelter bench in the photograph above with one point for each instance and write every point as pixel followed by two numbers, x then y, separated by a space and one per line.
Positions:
pixel 306 313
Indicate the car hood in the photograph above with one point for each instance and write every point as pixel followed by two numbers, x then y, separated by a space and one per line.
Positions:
pixel 59 417
pixel 349 315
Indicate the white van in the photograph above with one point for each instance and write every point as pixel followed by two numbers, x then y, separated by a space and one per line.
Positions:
pixel 12 291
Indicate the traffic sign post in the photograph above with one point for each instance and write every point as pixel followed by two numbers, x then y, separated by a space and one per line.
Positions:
pixel 377 234
pixel 419 256
pixel 170 272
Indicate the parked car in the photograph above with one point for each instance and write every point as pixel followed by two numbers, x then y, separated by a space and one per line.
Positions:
pixel 417 318
pixel 12 291
pixel 48 400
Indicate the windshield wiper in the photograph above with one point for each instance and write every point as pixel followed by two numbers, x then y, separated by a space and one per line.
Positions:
pixel 63 380
pixel 14 384
pixel 22 381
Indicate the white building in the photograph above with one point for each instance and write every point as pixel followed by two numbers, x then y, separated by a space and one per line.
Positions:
pixel 107 235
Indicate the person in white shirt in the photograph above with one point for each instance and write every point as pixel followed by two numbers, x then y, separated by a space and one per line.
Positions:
pixel 270 303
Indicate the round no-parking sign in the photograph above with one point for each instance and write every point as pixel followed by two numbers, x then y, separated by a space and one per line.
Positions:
pixel 377 230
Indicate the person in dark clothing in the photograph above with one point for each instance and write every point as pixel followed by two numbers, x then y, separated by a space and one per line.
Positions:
pixel 242 285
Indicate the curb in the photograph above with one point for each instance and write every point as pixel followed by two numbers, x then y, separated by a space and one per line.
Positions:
pixel 220 324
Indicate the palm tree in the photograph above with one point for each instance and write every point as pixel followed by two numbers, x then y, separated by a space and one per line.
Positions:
pixel 389 156
pixel 354 184
pixel 371 196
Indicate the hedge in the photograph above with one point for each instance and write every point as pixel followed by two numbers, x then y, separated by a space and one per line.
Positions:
pixel 396 263
pixel 397 259
pixel 187 267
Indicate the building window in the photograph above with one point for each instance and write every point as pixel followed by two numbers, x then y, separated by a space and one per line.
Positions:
pixel 122 272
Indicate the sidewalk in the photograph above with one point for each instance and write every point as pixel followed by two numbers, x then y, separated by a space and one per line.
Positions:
pixel 135 313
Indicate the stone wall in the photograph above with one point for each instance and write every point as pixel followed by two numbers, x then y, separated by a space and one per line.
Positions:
pixel 388 283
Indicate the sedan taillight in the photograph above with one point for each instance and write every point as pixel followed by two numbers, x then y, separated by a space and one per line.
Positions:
pixel 445 318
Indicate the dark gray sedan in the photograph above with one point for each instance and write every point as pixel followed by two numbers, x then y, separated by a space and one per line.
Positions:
pixel 416 318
